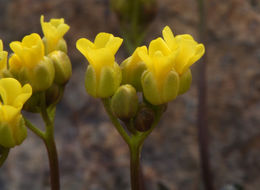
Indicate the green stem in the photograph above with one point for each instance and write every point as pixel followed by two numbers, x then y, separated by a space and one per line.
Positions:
pixel 51 146
pixel 115 121
pixel 34 129
pixel 4 155
pixel 48 139
pixel 53 161
pixel 135 151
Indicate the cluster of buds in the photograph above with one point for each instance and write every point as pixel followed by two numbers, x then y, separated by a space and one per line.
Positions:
pixel 160 72
pixel 42 66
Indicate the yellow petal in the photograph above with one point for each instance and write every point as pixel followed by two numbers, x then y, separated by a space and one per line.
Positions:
pixel 169 37
pixel 199 52
pixel 106 40
pixel 12 93
pixel 8 113
pixel 83 45
pixel 158 45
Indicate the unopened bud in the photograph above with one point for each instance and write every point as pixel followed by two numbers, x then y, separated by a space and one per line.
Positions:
pixel 124 102
pixel 144 119
pixel 62 66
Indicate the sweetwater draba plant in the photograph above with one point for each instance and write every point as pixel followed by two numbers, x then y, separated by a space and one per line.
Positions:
pixel 159 73
pixel 43 67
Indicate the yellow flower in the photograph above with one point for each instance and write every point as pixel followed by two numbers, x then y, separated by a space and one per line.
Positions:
pixel 29 52
pixel 13 96
pixel 28 63
pixel 190 51
pixel 103 75
pixel 3 58
pixel 160 81
pixel 54 30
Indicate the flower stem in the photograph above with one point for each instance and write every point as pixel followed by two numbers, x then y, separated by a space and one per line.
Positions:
pixel 135 168
pixel 48 139
pixel 4 155
pixel 53 161
pixel 51 146
pixel 134 142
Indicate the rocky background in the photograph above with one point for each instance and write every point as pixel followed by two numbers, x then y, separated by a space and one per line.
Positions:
pixel 94 157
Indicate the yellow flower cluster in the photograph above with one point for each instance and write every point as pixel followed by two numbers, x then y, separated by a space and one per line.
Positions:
pixel 161 72
pixel 42 66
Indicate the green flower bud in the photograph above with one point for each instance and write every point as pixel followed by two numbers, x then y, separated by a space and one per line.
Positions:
pixel 132 70
pixel 144 119
pixel 54 94
pixel 42 75
pixel 185 82
pixel 12 134
pixel 105 83
pixel 124 102
pixel 62 67
pixel 159 92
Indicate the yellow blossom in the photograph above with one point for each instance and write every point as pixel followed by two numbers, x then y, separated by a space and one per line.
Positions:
pixel 103 75
pixel 28 63
pixel 13 96
pixel 54 30
pixel 160 82
pixel 28 52
pixel 190 51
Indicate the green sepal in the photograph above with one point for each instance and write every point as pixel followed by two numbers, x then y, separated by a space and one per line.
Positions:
pixel 91 81
pixel 170 87
pixel 150 89
pixel 185 82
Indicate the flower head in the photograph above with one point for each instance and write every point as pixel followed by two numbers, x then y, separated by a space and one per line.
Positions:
pixel 28 63
pixel 160 81
pixel 103 75
pixel 54 30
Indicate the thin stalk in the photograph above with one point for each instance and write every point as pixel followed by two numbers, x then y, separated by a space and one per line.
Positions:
pixel 51 146
pixel 202 122
pixel 4 156
pixel 115 121
pixel 135 167
pixel 48 138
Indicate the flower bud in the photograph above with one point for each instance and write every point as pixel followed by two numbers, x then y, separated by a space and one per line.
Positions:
pixel 42 75
pixel 62 67
pixel 185 82
pixel 144 119
pixel 124 102
pixel 132 70
pixel 54 94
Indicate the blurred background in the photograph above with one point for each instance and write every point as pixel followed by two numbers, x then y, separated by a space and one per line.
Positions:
pixel 92 154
